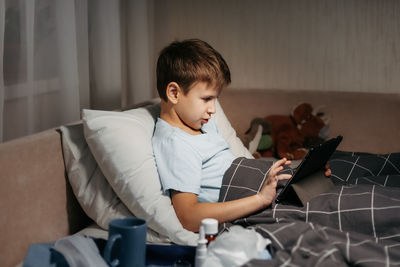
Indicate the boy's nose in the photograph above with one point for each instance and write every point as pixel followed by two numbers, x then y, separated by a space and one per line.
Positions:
pixel 211 108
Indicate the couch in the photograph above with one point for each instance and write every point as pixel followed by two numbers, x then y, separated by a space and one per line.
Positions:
pixel 37 202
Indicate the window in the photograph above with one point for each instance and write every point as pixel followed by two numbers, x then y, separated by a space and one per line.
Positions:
pixel 30 48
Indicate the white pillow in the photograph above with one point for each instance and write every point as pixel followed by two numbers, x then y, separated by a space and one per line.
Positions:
pixel 90 187
pixel 121 145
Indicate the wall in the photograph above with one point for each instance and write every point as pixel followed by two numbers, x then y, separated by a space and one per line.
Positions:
pixel 340 45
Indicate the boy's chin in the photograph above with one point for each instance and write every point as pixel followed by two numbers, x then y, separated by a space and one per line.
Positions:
pixel 195 127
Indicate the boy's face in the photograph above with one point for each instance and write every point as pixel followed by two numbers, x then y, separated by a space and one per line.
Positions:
pixel 195 108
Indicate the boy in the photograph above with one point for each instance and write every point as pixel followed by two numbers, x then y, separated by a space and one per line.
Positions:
pixel 191 154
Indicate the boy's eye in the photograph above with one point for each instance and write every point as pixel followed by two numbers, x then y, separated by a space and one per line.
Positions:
pixel 206 99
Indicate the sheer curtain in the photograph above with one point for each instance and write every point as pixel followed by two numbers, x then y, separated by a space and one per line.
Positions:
pixel 41 65
pixel 121 54
pixel 60 56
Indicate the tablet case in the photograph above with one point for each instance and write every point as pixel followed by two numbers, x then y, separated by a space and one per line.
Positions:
pixel 309 179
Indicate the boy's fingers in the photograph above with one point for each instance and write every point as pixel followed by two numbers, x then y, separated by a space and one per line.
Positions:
pixel 275 171
pixel 328 172
pixel 283 161
pixel 284 177
pixel 279 163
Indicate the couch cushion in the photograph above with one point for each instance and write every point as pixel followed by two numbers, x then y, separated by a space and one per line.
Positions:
pixel 37 204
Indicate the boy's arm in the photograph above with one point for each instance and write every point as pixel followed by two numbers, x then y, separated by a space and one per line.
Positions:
pixel 190 212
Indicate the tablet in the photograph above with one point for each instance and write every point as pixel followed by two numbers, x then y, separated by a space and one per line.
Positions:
pixel 314 162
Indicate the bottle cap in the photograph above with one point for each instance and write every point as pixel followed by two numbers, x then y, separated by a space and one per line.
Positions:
pixel 210 226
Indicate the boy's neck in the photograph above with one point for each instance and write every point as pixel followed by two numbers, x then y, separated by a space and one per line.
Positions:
pixel 169 115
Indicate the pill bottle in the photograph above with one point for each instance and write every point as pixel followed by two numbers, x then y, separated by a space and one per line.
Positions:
pixel 210 226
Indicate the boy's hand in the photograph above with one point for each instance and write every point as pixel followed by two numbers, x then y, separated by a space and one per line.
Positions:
pixel 268 191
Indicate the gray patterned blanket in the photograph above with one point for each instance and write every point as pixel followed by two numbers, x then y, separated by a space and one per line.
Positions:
pixel 356 223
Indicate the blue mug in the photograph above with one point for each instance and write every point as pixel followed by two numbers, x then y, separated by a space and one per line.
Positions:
pixel 126 245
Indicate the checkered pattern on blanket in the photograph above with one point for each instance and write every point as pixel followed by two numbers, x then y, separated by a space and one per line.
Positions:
pixel 306 244
pixel 356 168
pixel 358 222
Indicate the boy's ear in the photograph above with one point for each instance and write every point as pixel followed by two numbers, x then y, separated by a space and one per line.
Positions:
pixel 173 90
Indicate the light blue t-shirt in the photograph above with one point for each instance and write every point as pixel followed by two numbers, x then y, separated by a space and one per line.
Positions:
pixel 191 163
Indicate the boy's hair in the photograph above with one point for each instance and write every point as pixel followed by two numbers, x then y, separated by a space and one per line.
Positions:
pixel 189 61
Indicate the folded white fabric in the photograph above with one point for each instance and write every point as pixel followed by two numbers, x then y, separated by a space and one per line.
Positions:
pixel 236 247
pixel 79 250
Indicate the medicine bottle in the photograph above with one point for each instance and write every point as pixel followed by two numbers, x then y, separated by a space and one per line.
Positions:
pixel 210 226
pixel 201 250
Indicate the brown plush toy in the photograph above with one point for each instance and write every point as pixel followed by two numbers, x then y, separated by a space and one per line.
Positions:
pixel 293 135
